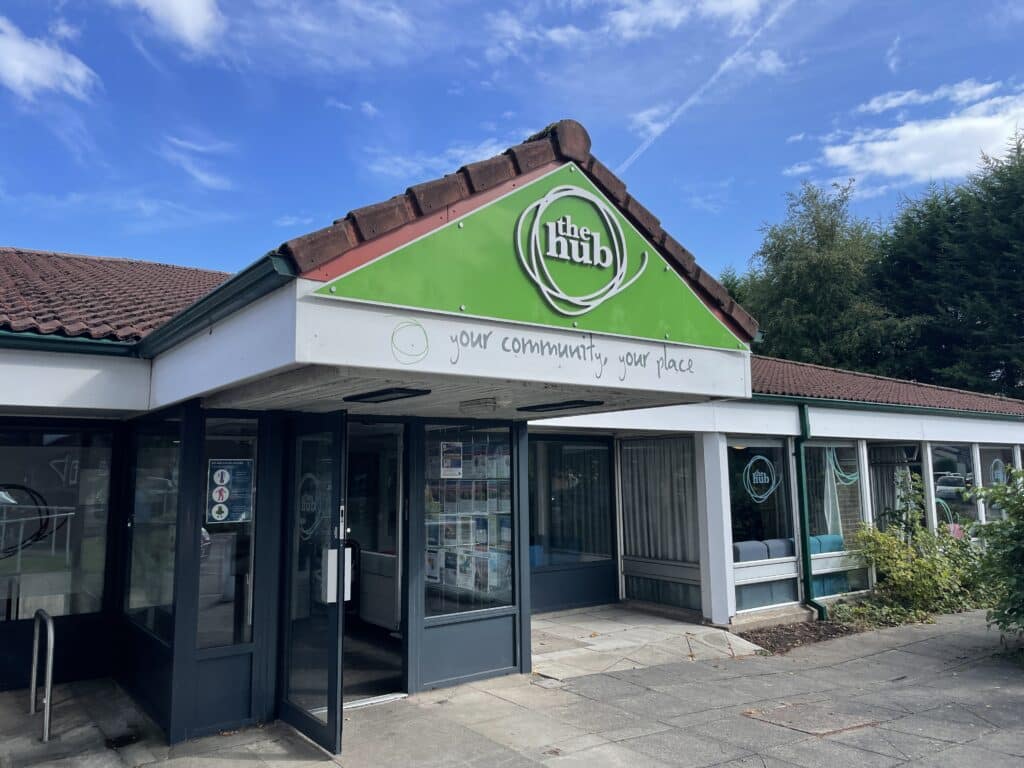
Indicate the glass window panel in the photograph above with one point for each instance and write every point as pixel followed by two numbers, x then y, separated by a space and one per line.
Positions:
pixel 226 533
pixel 570 502
pixel 833 495
pixel 659 499
pixel 766 593
pixel 840 582
pixel 890 469
pixel 469 531
pixel 996 463
pixel 150 597
pixel 308 672
pixel 762 521
pixel 54 494
pixel 953 473
pixel 374 486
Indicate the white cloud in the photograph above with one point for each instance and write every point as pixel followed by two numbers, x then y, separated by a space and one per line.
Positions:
pixel 183 154
pixel 338 104
pixel 924 150
pixel 767 62
pixel 196 24
pixel 964 92
pixel 727 64
pixel 337 36
pixel 710 197
pixel 651 121
pixel 202 146
pixel 798 169
pixel 289 220
pixel 796 138
pixel 61 29
pixel 422 165
pixel 368 109
pixel 29 66
pixel 636 19
pixel 892 55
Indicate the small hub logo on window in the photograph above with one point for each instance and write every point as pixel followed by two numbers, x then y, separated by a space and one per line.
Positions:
pixel 572 247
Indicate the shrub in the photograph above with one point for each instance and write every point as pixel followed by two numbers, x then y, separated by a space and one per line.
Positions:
pixel 919 572
pixel 1002 560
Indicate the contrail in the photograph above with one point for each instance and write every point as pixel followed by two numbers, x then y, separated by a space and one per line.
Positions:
pixel 694 97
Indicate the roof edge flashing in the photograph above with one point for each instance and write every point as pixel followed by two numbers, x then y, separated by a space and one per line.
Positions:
pixel 255 281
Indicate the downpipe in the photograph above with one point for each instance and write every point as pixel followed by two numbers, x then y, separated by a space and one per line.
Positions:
pixel 805 517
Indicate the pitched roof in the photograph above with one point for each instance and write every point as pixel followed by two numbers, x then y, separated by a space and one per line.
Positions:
pixel 61 294
pixel 772 376
pixel 563 141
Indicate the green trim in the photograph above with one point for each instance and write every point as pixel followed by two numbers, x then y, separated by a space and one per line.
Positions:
pixel 252 283
pixel 805 516
pixel 862 405
pixel 43 342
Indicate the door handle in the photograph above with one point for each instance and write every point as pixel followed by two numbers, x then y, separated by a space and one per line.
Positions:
pixel 329 576
pixel 329 582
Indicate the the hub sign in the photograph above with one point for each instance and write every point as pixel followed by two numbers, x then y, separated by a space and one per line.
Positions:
pixel 576 267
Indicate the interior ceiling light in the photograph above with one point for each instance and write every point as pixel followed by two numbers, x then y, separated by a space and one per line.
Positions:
pixel 386 395
pixel 565 405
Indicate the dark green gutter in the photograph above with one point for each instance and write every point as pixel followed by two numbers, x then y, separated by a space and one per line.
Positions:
pixel 862 405
pixel 252 283
pixel 43 342
pixel 805 516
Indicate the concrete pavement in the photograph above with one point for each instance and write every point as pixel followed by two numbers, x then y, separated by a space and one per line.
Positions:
pixel 924 695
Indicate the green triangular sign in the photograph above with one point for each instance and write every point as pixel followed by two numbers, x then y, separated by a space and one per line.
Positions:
pixel 554 253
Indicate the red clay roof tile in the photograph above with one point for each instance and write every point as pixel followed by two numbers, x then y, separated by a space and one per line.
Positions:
pixel 772 376
pixel 98 298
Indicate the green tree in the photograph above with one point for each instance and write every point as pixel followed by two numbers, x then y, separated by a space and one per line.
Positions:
pixel 808 284
pixel 952 271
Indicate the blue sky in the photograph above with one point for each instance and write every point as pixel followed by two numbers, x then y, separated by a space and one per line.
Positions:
pixel 206 132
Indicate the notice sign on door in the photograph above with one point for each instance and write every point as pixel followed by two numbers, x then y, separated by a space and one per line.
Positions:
pixel 229 491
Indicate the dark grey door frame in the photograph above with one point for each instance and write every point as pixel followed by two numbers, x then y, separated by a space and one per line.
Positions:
pixel 327 735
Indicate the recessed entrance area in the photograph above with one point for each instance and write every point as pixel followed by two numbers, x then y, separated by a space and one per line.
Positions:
pixel 373 641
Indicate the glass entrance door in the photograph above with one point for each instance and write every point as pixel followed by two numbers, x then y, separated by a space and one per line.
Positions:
pixel 373 533
pixel 314 564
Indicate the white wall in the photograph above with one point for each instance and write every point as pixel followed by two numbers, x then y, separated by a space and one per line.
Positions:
pixel 732 417
pixel 69 382
pixel 882 425
pixel 255 341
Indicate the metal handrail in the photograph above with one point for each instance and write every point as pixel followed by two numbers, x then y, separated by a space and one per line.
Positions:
pixel 42 615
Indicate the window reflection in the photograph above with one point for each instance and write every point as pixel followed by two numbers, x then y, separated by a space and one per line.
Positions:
pixel 54 492
pixel 154 524
pixel 570 504
pixel 996 463
pixel 953 475
pixel 226 536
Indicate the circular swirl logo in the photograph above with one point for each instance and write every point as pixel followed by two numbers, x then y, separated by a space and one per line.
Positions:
pixel 760 479
pixel 542 238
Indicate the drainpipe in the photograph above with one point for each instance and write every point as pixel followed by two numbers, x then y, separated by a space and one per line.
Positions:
pixel 805 516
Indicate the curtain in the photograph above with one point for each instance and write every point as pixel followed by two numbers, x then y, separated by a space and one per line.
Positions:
pixel 659 499
pixel 889 466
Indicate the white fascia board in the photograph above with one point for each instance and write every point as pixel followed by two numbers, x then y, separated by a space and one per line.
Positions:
pixel 73 381
pixel 728 416
pixel 253 342
pixel 887 425
pixel 362 335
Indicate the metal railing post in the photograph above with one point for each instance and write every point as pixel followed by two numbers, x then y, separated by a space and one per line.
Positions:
pixel 43 616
